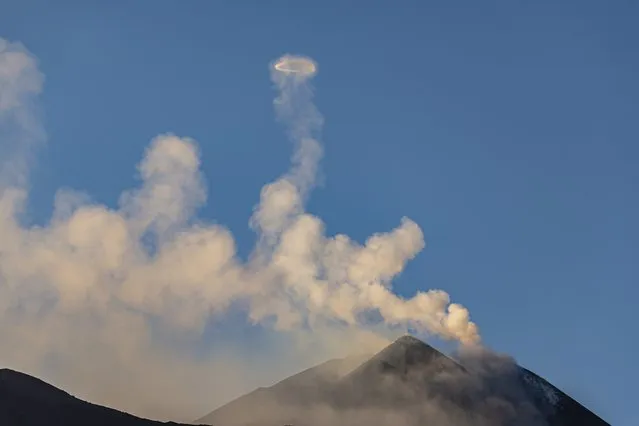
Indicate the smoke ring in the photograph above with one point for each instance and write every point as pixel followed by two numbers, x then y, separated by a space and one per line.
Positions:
pixel 298 65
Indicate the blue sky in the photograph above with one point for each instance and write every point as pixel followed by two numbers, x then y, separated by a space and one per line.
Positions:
pixel 507 132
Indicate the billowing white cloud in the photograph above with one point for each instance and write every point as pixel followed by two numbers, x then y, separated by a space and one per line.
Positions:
pixel 87 286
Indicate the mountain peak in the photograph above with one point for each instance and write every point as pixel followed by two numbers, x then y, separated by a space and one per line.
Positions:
pixel 406 354
pixel 408 339
pixel 407 360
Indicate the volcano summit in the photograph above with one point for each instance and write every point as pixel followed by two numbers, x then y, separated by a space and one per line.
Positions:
pixel 409 383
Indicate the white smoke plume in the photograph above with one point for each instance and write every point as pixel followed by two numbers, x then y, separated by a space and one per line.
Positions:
pixel 20 128
pixel 334 277
pixel 82 294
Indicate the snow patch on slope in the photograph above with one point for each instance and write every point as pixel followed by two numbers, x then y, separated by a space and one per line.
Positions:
pixel 543 389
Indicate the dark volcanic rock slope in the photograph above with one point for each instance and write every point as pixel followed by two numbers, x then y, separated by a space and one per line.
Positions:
pixel 27 401
pixel 409 384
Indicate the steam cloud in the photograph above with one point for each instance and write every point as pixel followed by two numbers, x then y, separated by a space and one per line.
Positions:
pixel 87 286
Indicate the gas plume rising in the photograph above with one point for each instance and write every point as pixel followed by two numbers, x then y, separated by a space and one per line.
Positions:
pixel 86 286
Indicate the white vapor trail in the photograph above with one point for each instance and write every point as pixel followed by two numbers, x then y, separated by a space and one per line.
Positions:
pixel 85 287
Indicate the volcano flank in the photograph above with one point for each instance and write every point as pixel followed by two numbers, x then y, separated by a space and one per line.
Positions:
pixel 409 383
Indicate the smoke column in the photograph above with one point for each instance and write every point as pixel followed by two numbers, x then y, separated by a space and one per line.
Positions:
pixel 20 129
pixel 336 278
pixel 84 297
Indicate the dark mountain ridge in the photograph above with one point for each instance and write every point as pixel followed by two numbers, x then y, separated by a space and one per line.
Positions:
pixel 28 401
